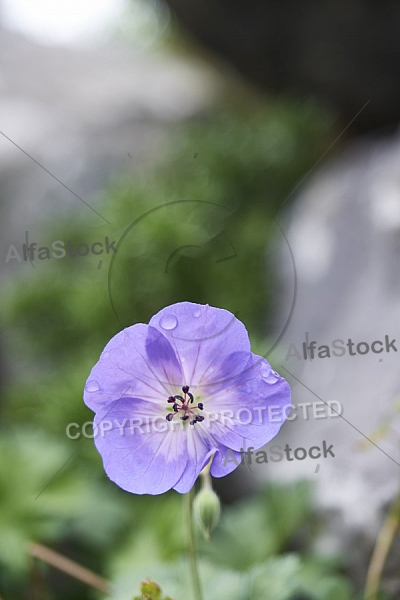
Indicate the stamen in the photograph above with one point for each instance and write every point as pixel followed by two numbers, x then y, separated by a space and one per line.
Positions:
pixel 188 411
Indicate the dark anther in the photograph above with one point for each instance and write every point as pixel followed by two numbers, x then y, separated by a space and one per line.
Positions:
pixel 184 407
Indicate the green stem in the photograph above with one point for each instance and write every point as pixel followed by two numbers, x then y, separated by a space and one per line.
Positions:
pixel 194 568
pixel 206 483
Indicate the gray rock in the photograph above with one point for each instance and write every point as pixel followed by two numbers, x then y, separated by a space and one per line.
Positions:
pixel 344 232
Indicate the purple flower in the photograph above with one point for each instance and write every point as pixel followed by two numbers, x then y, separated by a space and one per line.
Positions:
pixel 174 394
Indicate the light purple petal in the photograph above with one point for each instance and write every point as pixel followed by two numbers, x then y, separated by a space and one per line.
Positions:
pixel 229 370
pixel 137 361
pixel 225 461
pixel 202 336
pixel 137 455
pixel 250 409
pixel 200 453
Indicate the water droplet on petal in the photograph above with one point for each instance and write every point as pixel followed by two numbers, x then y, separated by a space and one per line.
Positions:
pixel 105 354
pixel 265 369
pixel 272 378
pixel 197 313
pixel 92 386
pixel 269 375
pixel 183 359
pixel 168 322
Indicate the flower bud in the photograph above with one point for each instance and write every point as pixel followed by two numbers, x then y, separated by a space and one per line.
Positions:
pixel 150 591
pixel 207 509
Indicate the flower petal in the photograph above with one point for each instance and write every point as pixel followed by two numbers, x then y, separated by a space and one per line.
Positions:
pixel 225 461
pixel 202 336
pixel 246 411
pixel 138 361
pixel 141 453
pixel 200 451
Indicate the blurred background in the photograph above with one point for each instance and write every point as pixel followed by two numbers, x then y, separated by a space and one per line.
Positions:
pixel 244 155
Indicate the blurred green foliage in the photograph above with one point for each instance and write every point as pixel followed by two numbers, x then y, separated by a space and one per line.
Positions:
pixel 247 557
pixel 214 194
